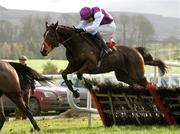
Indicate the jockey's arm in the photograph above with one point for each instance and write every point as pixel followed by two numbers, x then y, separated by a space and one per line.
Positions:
pixel 97 20
pixel 82 24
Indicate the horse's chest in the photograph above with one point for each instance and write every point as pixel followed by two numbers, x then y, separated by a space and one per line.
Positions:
pixel 79 58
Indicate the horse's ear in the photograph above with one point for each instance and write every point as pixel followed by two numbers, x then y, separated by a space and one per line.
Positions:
pixel 46 23
pixel 55 26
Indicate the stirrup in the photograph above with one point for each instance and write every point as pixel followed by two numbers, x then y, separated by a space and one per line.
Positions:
pixel 108 51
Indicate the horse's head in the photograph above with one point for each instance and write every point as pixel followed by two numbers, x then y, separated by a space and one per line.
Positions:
pixel 50 39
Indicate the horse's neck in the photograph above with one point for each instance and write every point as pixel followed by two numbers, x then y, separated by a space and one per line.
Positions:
pixel 78 42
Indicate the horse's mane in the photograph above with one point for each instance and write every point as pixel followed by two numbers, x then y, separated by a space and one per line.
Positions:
pixel 66 27
pixel 87 36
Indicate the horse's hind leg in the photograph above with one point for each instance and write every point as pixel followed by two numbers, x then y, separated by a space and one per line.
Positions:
pixel 2 119
pixel 124 77
pixel 143 82
pixel 17 99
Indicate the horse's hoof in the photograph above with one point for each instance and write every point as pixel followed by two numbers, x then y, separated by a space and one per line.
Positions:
pixel 76 94
pixel 37 128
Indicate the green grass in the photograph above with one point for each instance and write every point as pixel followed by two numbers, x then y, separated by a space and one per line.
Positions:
pixel 37 64
pixel 79 126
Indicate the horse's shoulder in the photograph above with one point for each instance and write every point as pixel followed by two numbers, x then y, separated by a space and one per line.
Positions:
pixel 90 38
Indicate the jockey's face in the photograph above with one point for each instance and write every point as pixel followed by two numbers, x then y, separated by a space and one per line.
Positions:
pixel 90 19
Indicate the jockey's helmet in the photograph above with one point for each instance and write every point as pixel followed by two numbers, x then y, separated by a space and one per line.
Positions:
pixel 85 13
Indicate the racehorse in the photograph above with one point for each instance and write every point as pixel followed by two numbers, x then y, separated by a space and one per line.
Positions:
pixel 83 56
pixel 10 85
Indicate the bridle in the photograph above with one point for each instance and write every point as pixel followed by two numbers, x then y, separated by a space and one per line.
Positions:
pixel 62 40
pixel 59 40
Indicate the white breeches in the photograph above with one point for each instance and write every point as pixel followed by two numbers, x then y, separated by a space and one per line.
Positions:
pixel 107 30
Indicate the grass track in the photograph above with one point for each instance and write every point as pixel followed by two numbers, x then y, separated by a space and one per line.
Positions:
pixel 79 126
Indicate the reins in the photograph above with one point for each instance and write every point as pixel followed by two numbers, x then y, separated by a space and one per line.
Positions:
pixel 64 41
pixel 68 39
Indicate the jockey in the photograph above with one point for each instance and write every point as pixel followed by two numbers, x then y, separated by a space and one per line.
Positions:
pixel 95 21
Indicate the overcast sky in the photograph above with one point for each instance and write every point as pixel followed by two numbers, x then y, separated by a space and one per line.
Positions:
pixel 169 8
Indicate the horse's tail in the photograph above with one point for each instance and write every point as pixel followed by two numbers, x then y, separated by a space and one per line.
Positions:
pixel 27 75
pixel 28 71
pixel 157 62
pixel 148 60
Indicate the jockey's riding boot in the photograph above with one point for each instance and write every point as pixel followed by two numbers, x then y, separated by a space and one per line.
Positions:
pixel 103 45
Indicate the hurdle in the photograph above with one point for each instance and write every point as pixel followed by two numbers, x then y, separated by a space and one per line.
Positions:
pixel 126 105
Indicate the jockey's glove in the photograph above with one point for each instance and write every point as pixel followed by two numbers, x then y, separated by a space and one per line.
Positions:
pixel 79 30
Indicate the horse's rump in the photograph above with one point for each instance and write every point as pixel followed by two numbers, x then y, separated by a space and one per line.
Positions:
pixel 8 77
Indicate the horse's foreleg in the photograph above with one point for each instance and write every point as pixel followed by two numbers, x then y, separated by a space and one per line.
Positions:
pixel 69 83
pixel 86 68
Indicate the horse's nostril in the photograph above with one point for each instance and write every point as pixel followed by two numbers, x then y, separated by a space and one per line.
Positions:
pixel 44 53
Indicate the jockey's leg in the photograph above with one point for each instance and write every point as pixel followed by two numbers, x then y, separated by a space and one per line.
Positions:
pixel 107 29
pixel 105 32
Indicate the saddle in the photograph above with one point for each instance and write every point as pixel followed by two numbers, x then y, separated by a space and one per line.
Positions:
pixel 98 44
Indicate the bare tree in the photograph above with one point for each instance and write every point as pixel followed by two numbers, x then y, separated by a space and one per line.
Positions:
pixel 143 30
pixel 124 20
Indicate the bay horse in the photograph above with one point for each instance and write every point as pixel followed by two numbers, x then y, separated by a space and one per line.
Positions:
pixel 83 56
pixel 11 86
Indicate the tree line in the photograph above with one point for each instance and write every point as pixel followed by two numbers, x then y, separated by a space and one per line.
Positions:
pixel 26 38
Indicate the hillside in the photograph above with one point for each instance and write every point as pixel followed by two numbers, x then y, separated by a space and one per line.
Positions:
pixel 164 26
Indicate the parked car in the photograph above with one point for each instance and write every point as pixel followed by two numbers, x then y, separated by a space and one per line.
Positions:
pixel 46 97
pixel 78 85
